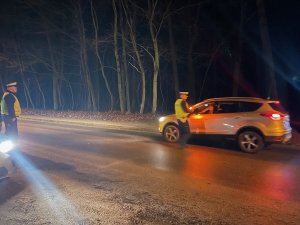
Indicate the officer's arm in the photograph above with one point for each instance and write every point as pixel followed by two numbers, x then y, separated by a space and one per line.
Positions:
pixel 184 107
pixel 10 101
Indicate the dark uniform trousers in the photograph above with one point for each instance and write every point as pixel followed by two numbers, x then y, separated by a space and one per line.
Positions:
pixel 185 132
pixel 11 127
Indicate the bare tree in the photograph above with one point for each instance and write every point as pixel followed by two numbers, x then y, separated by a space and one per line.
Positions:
pixel 55 79
pixel 41 92
pixel 152 4
pixel 54 58
pixel 140 68
pixel 116 51
pixel 22 68
pixel 125 67
pixel 96 28
pixel 92 104
pixel 173 55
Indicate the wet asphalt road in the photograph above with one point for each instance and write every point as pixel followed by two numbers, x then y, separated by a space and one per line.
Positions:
pixel 82 175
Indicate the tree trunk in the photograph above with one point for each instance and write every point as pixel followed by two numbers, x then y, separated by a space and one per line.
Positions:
pixel 191 72
pixel 125 69
pixel 152 7
pixel 192 37
pixel 21 67
pixel 55 80
pixel 92 104
pixel 95 23
pixel 116 47
pixel 139 60
pixel 41 91
pixel 173 56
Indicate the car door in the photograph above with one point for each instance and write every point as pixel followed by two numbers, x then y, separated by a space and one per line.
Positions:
pixel 224 118
pixel 196 119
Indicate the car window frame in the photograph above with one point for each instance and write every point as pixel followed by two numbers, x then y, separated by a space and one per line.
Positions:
pixel 196 111
pixel 220 102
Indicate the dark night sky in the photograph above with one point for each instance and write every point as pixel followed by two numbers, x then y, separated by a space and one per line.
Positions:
pixel 284 23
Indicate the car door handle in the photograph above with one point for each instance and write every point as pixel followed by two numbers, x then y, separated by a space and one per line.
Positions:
pixel 237 117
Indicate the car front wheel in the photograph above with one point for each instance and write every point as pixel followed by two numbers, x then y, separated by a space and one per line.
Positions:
pixel 250 141
pixel 171 133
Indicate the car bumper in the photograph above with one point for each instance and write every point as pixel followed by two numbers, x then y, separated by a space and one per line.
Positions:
pixel 285 139
pixel 160 129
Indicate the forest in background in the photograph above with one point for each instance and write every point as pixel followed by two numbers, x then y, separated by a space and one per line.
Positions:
pixel 134 56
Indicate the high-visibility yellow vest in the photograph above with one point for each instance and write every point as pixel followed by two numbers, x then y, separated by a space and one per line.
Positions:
pixel 181 114
pixel 17 107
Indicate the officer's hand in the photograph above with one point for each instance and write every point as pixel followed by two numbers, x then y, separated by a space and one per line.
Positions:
pixel 192 109
pixel 14 119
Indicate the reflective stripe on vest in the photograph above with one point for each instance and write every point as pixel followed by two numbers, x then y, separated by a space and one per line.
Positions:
pixel 17 107
pixel 180 113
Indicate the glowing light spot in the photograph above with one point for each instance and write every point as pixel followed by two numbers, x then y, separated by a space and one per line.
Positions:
pixel 59 206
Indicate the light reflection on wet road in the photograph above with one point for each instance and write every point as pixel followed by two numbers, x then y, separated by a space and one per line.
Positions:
pixel 275 179
pixel 273 174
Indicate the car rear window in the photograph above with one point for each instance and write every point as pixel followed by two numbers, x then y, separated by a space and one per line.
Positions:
pixel 277 107
pixel 249 106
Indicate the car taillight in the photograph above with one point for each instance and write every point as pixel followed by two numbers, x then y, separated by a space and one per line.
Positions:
pixel 273 116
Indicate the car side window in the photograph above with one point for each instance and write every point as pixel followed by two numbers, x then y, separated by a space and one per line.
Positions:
pixel 207 108
pixel 249 106
pixel 226 107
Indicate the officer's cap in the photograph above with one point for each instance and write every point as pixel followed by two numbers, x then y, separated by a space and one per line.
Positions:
pixel 13 84
pixel 184 93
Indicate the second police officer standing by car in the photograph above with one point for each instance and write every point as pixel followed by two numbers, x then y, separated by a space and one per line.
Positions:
pixel 10 110
pixel 182 112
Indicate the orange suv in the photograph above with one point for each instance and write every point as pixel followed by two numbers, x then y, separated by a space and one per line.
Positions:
pixel 252 122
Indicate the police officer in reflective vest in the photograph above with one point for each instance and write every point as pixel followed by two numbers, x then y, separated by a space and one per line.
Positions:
pixel 182 112
pixel 10 110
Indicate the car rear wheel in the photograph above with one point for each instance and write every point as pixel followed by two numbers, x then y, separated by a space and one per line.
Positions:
pixel 250 141
pixel 171 133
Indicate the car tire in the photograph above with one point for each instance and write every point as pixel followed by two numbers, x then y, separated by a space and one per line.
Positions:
pixel 250 141
pixel 171 133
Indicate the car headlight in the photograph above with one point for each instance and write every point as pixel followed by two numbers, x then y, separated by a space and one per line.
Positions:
pixel 6 146
pixel 161 119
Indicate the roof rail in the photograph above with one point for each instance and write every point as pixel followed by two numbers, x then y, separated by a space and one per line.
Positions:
pixel 234 98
